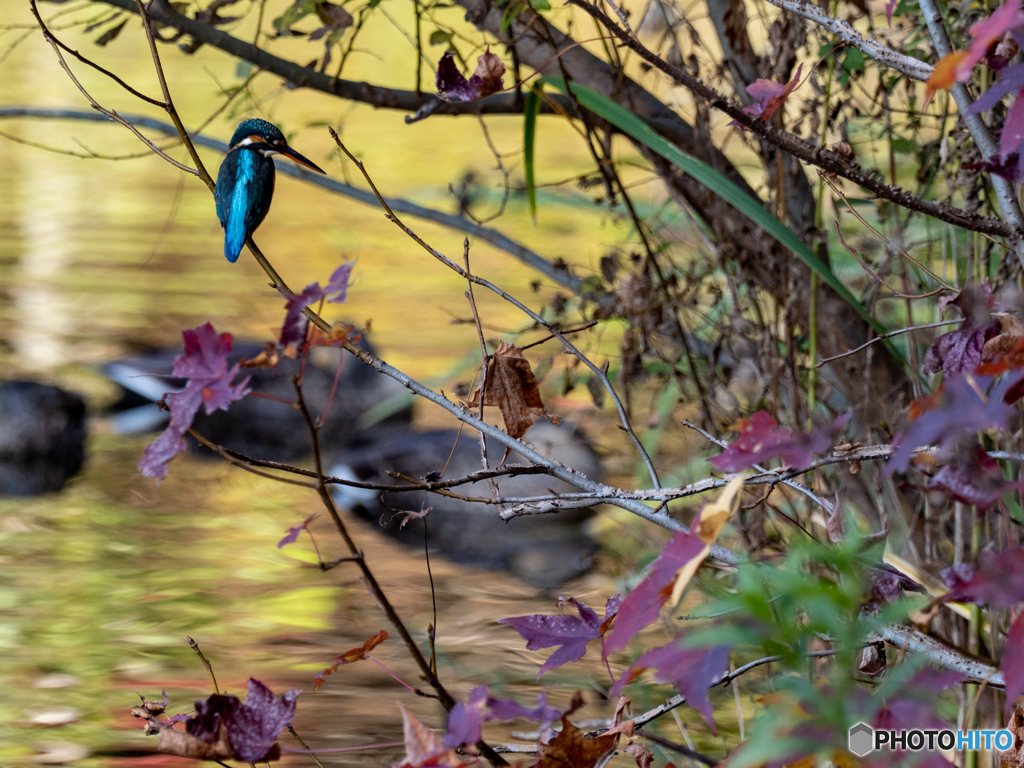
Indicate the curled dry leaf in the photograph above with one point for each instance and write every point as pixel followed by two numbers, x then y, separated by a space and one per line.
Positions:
pixel 1014 756
pixel 487 78
pixel 1007 347
pixel 184 744
pixel 512 387
pixel 643 756
pixel 351 656
pixel 268 358
pixel 423 746
pixel 571 748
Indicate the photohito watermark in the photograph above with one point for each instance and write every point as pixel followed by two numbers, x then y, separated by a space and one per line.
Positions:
pixel 865 739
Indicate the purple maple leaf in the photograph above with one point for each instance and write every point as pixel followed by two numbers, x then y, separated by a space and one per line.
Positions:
pixel 975 480
pixel 570 633
pixel 451 83
pixel 768 96
pixel 252 727
pixel 1011 170
pixel 210 384
pixel 293 330
pixel 465 720
pixel 959 351
pixel 506 709
pixel 486 79
pixel 691 670
pixel 761 439
pixel 1011 80
pixel 959 409
pixel 293 533
pixel 642 606
pixel 995 579
pixel 915 706
pixel 986 32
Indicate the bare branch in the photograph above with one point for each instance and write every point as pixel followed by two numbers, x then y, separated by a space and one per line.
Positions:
pixel 827 160
pixel 908 65
pixel 307 77
pixel 57 48
pixel 976 126
pixel 52 40
pixel 915 641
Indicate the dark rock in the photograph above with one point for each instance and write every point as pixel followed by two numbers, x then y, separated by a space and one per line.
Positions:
pixel 42 437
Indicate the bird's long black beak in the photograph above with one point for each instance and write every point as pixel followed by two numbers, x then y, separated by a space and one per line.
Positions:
pixel 291 154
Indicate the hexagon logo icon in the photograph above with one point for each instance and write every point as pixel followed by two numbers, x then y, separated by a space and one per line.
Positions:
pixel 862 737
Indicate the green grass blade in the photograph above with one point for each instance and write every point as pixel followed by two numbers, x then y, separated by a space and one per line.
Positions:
pixel 750 207
pixel 529 138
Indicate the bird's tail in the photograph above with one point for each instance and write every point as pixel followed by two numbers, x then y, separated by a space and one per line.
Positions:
pixel 233 242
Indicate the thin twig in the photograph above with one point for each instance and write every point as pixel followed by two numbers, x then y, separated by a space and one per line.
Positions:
pixel 485 374
pixel 877 277
pixel 856 214
pixel 54 41
pixel 291 729
pixel 226 454
pixel 443 696
pixel 168 104
pixel 549 337
pixel 209 667
pixel 789 483
pixel 57 47
pixel 897 332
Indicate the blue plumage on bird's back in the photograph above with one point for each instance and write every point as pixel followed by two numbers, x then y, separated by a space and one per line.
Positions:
pixel 235 227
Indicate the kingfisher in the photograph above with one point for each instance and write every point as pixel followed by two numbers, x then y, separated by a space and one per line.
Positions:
pixel 245 182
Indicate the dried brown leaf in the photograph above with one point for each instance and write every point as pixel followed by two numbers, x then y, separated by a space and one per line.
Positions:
pixel 512 387
pixel 643 756
pixel 1014 756
pixel 351 656
pixel 572 749
pixel 179 743
pixel 268 358
pixel 487 77
pixel 111 34
pixel 423 745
